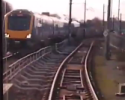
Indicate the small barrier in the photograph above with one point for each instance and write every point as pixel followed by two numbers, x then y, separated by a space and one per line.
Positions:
pixel 7 56
pixel 117 41
pixel 25 61
pixel 60 46
pixel 19 65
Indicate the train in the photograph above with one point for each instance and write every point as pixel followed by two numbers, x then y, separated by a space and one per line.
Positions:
pixel 29 29
pixel 6 7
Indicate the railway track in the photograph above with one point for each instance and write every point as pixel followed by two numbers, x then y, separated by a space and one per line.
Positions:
pixel 13 57
pixel 72 81
pixel 36 75
pixel 31 77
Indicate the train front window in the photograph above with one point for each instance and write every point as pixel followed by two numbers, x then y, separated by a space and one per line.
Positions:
pixel 19 23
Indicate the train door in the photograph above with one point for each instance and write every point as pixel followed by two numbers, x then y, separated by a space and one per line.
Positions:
pixel 39 27
pixel 53 27
pixel 43 29
pixel 56 29
pixel 46 29
pixel 49 28
pixel 65 27
pixel 59 29
pixel 34 28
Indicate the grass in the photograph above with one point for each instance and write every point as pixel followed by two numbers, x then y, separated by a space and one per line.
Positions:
pixel 99 60
pixel 120 56
pixel 107 86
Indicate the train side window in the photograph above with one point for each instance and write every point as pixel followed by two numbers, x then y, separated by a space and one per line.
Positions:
pixel 43 21
pixel 56 26
pixel 55 23
pixel 40 21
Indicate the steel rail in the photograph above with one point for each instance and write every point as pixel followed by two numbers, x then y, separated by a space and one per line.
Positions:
pixel 87 74
pixel 58 71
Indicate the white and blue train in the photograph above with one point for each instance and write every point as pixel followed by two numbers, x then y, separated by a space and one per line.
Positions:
pixel 27 28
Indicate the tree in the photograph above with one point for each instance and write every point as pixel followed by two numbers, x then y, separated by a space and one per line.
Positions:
pixel 97 23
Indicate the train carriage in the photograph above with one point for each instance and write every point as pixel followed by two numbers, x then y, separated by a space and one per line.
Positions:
pixel 23 27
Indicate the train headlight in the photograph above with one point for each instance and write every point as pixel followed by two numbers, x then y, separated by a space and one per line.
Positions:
pixel 28 36
pixel 7 35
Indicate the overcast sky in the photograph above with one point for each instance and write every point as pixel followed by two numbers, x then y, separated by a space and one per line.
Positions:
pixel 95 7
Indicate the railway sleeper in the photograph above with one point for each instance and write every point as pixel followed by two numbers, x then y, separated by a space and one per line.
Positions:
pixel 74 77
pixel 40 62
pixel 72 96
pixel 70 83
pixel 72 74
pixel 37 77
pixel 28 70
pixel 45 59
pixel 41 66
pixel 76 96
pixel 77 88
pixel 25 84
pixel 41 72
pixel 30 88
pixel 31 75
pixel 72 70
pixel 47 63
pixel 55 56
pixel 44 69
pixel 32 79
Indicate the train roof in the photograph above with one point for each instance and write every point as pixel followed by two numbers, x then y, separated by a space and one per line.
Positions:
pixel 51 18
pixel 65 21
pixel 42 16
pixel 24 10
pixel 46 17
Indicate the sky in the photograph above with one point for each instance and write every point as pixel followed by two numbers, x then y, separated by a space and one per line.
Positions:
pixel 94 7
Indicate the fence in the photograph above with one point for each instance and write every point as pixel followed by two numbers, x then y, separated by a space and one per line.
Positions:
pixel 117 40
pixel 27 60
